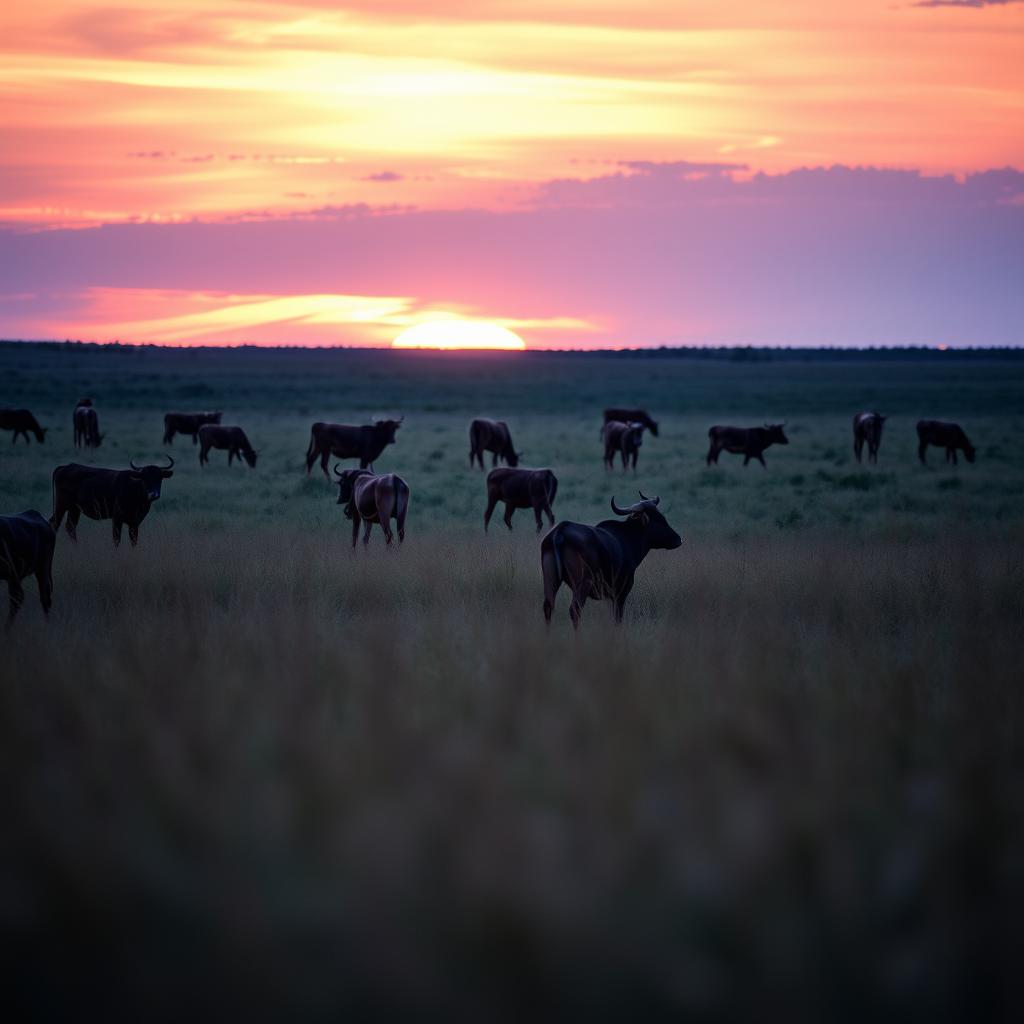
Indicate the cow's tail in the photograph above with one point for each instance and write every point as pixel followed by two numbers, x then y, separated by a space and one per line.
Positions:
pixel 552 487
pixel 551 567
pixel 401 505
pixel 312 444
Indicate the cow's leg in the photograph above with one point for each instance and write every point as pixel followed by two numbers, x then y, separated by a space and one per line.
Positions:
pixel 72 525
pixel 367 527
pixel 746 459
pixel 579 599
pixel 195 438
pixel 760 458
pixel 509 509
pixel 401 507
pixel 231 456
pixel 858 446
pixel 953 452
pixel 16 593
pixel 536 515
pixel 619 602
pixel 492 500
pixel 324 458
pixel 168 437
pixel 385 525
pixel 355 528
pixel 202 456
pixel 133 533
pixel 44 579
pixel 552 575
pixel 116 530
pixel 921 449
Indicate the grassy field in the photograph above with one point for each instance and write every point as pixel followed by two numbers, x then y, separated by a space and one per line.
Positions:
pixel 247 770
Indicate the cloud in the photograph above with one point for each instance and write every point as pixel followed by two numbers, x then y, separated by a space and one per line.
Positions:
pixel 965 3
pixel 384 176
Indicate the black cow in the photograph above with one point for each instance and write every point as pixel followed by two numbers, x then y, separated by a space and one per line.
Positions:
pixel 373 499
pixel 123 495
pixel 87 427
pixel 491 436
pixel 624 438
pixel 631 416
pixel 750 442
pixel 601 561
pixel 364 443
pixel 26 549
pixel 187 423
pixel 212 435
pixel 21 421
pixel 867 427
pixel 943 435
pixel 521 488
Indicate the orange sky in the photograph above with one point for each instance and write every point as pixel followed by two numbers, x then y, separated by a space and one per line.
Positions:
pixel 166 111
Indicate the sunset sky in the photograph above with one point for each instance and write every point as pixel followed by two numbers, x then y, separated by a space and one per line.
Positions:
pixel 582 173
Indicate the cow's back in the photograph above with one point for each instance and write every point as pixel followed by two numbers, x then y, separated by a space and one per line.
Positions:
pixel 25 538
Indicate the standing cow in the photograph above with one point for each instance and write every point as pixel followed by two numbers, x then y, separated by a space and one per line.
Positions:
pixel 21 421
pixel 364 443
pixel 87 426
pixel 631 416
pixel 521 488
pixel 121 495
pixel 212 435
pixel 624 438
pixel 26 549
pixel 943 435
pixel 867 428
pixel 373 499
pixel 601 561
pixel 750 442
pixel 187 423
pixel 491 436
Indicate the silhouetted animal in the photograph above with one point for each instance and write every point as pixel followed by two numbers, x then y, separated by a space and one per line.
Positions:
pixel 867 427
pixel 364 443
pixel 87 427
pixel 521 488
pixel 631 416
pixel 373 499
pixel 21 421
pixel 491 436
pixel 624 438
pixel 943 435
pixel 749 442
pixel 601 561
pixel 212 435
pixel 187 423
pixel 123 495
pixel 26 549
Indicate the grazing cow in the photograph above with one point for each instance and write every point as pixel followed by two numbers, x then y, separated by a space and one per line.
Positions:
pixel 601 561
pixel 373 499
pixel 491 436
pixel 21 421
pixel 87 426
pixel 212 435
pixel 624 438
pixel 867 427
pixel 750 442
pixel 187 423
pixel 122 495
pixel 26 549
pixel 631 416
pixel 364 443
pixel 521 488
pixel 943 435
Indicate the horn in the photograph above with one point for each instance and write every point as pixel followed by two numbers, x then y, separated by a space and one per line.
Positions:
pixel 620 511
pixel 336 473
pixel 131 462
pixel 655 499
pixel 170 461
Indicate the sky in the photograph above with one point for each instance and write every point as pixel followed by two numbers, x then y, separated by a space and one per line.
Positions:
pixel 585 174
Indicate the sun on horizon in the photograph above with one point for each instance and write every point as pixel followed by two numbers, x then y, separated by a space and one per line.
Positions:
pixel 448 335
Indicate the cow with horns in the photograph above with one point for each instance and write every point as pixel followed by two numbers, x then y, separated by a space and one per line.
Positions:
pixel 26 549
pixel 343 441
pixel 600 562
pixel 370 499
pixel 121 495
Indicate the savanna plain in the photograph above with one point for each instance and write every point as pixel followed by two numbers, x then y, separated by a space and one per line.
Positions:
pixel 247 770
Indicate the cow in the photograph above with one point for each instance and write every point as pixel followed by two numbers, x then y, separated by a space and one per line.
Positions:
pixel 943 435
pixel 212 435
pixel 624 438
pixel 87 426
pixel 26 549
pixel 370 499
pixel 364 443
pixel 750 442
pixel 521 488
pixel 122 495
pixel 867 427
pixel 21 421
pixel 491 436
pixel 601 561
pixel 631 416
pixel 187 423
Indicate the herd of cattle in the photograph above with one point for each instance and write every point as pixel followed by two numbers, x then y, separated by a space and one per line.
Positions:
pixel 597 562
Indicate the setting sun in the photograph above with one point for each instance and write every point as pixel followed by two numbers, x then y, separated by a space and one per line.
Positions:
pixel 459 334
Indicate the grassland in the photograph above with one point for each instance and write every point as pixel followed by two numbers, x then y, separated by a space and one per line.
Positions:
pixel 250 771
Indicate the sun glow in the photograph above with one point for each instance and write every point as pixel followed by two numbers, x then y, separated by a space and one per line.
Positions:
pixel 459 334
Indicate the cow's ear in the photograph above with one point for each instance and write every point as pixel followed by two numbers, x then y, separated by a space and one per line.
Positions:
pixel 166 473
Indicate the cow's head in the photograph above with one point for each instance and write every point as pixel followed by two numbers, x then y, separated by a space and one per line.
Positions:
pixel 645 513
pixel 215 416
pixel 347 482
pixel 387 429
pixel 636 434
pixel 40 433
pixel 513 457
pixel 652 426
pixel 969 450
pixel 151 477
pixel 96 440
pixel 250 456
pixel 775 434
